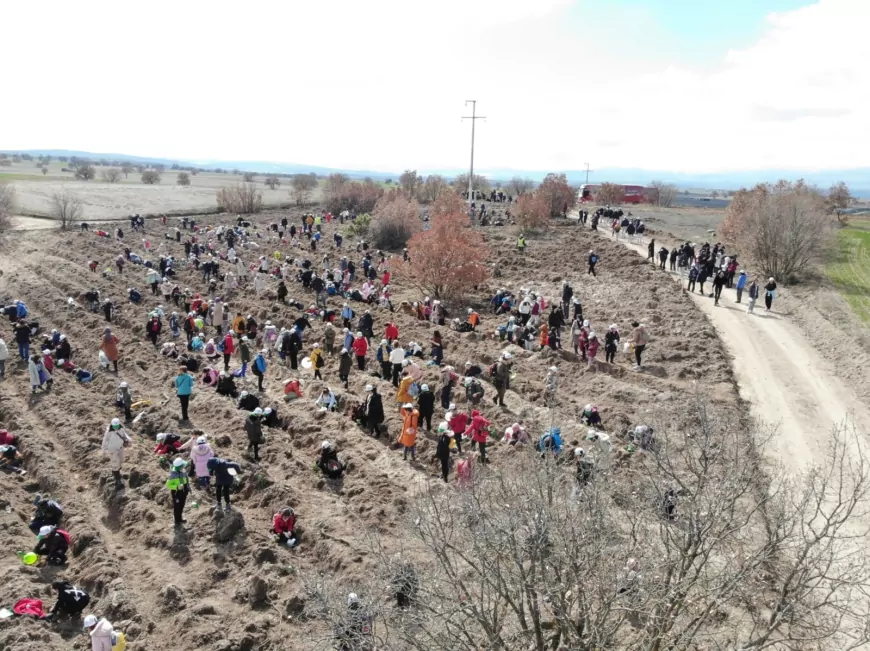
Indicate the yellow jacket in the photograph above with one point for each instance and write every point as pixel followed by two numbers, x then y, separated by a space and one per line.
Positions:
pixel 404 395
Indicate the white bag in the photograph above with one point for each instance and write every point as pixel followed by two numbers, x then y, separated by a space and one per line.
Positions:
pixel 104 361
pixel 626 348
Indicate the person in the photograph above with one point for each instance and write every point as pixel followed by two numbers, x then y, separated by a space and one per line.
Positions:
pixel 354 633
pixel 344 365
pixel 167 443
pixel 53 543
pixel 426 406
pixel 360 348
pixel 126 400
pixel 382 354
pixel 502 378
pixel 38 373
pixel 115 439
pixel 718 284
pixel 101 633
pixel 179 488
pixel 254 431
pixel 593 260
pixel 326 401
pixel 226 385
pixel 515 435
pixel 753 295
pixel 329 338
pixel 22 338
pixel 458 421
pixel 592 349
pixel 4 355
pixel 374 411
pixel 247 401
pixel 293 389
pixel 71 600
pixel 46 512
pixel 638 339
pixel 397 356
pixel 479 431
pixel 200 453
pixel 611 341
pixel 741 285
pixel 769 294
pixel 244 356
pixel 584 467
pixel 442 451
pixel 317 361
pixel 521 243
pixel 153 328
pixel 693 278
pixel 109 346
pixel 408 437
pixel 183 389
pixel 473 390
pixel 223 478
pixel 329 462
pixel 663 258
pixel 259 368
pixel 284 527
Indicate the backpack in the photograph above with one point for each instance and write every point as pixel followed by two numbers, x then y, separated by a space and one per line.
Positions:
pixel 414 389
pixel 594 259
pixel 318 363
pixel 221 346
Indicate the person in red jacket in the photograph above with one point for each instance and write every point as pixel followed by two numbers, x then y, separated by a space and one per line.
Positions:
pixel 479 431
pixel 360 348
pixel 391 332
pixel 284 528
pixel 229 349
pixel 458 421
pixel 385 280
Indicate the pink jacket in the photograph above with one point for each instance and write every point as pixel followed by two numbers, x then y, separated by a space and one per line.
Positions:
pixel 200 454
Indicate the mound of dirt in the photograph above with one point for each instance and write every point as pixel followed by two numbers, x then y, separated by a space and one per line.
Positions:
pixel 220 583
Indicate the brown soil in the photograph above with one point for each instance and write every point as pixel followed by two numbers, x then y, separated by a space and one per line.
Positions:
pixel 195 588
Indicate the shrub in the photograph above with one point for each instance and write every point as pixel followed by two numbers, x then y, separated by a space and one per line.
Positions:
pixel 557 194
pixel 301 187
pixel 447 260
pixel 519 185
pixel 397 217
pixel 249 177
pixel 359 227
pixel 111 175
pixel 85 172
pixel 531 211
pixel 7 205
pixel 350 195
pixel 272 181
pixel 839 198
pixel 66 208
pixel 242 198
pixel 126 169
pixel 433 187
pixel 44 170
pixel 183 179
pixel 411 182
pixel 150 177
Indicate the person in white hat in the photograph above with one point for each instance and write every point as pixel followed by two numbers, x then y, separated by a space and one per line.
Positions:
pixel 179 488
pixel 200 453
pixel 115 439
pixel 126 400
pixel 101 632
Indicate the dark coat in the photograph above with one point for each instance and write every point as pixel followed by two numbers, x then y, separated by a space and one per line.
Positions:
pixel 374 409
pixel 219 469
pixel 254 429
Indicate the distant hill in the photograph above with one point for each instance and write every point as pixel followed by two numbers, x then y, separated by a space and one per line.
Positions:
pixel 858 179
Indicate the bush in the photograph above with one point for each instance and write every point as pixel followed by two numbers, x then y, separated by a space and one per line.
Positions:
pixel 272 181
pixel 242 198
pixel 150 177
pixel 397 218
pixel 7 206
pixel 85 172
pixel 44 170
pixel 359 228
pixel 111 175
pixel 349 195
pixel 301 187
pixel 531 211
pixel 249 177
pixel 557 194
pixel 183 179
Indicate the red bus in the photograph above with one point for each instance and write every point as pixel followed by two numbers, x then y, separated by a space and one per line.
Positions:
pixel 631 194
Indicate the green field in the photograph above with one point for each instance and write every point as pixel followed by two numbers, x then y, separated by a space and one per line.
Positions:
pixel 850 269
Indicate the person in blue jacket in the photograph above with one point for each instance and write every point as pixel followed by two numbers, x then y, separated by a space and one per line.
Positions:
pixel 741 284
pixel 259 368
pixel 183 389
pixel 220 470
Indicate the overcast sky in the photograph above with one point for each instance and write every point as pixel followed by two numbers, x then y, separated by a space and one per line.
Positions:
pixel 680 85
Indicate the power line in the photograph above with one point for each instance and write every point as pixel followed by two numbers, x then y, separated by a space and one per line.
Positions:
pixel 474 117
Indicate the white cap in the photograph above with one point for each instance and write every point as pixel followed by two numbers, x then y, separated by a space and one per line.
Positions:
pixel 90 620
pixel 452 406
pixel 244 338
pixel 443 426
pixel 116 422
pixel 161 436
pixel 243 394
pixel 343 351
pixel 506 355
pixel 178 463
pixel 579 452
pixel 408 405
pixel 264 352
pixel 384 342
pixel 359 334
pixel 201 440
pixel 352 599
pixel 554 369
pixel 258 412
pixel 267 411
pixel 44 531
pixel 123 385
pixel 325 445
pixel 370 387
pixel 425 387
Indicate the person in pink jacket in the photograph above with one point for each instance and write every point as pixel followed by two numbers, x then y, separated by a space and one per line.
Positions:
pixel 479 431
pixel 592 348
pixel 200 453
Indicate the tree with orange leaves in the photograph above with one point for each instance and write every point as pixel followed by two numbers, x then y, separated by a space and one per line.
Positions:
pixel 448 259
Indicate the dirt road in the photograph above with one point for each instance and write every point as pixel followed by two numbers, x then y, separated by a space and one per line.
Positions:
pixel 781 375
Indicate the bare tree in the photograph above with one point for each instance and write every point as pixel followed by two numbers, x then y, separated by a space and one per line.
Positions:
pixel 411 182
pixel 272 181
pixel 111 175
pixel 301 188
pixel 242 198
pixel 126 169
pixel 183 179
pixel 150 177
pixel 66 208
pixel 85 172
pixel 611 194
pixel 520 185
pixel 780 227
pixel 838 200
pixel 664 193
pixel 44 170
pixel 693 543
pixel 7 205
pixel 433 187
pixel 249 177
pixel 460 183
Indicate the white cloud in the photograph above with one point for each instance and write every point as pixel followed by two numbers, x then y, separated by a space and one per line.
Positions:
pixel 381 85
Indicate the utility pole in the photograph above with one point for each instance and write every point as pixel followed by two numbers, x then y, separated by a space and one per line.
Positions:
pixel 587 172
pixel 474 117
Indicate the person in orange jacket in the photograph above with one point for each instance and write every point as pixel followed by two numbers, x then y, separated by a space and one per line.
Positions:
pixel 545 333
pixel 479 431
pixel 408 438
pixel 473 319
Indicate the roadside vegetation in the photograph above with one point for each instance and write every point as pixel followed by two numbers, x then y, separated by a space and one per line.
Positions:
pixel 849 269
